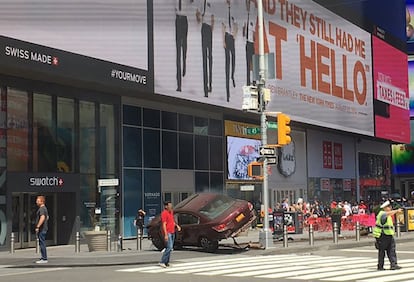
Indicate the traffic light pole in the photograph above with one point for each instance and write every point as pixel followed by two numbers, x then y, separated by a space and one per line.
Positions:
pixel 265 237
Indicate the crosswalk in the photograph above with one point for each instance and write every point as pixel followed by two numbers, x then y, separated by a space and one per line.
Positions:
pixel 290 266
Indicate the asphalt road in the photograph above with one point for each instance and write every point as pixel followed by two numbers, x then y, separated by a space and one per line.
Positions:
pixel 329 265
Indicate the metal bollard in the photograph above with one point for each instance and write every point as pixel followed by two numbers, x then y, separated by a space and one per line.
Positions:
pixel 120 243
pixel 12 239
pixel 335 233
pixel 37 244
pixel 77 242
pixel 398 233
pixel 108 240
pixel 311 235
pixel 139 239
pixel 357 231
pixel 285 237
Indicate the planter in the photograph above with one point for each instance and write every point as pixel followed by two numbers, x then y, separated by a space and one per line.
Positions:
pixel 96 240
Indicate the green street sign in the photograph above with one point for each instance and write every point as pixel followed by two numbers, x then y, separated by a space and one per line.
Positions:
pixel 253 130
pixel 272 125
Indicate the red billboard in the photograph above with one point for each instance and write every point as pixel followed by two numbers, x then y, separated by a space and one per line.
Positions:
pixel 391 96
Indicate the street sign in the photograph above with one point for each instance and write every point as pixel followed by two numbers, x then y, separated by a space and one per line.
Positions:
pixel 267 151
pixel 108 182
pixel 252 130
pixel 271 125
pixel 271 160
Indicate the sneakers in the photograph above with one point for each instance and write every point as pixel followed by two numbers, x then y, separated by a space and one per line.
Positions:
pixel 163 265
pixel 395 267
pixel 163 250
pixel 42 261
pixel 380 268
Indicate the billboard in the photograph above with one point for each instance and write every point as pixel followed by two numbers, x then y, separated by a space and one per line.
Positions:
pixel 240 153
pixel 411 84
pixel 322 63
pixel 97 41
pixel 391 96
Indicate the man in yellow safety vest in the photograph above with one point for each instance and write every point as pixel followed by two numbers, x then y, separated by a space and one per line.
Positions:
pixel 384 234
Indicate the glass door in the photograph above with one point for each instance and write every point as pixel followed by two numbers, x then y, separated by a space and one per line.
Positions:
pixel 24 219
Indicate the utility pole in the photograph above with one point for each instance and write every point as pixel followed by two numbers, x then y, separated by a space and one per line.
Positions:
pixel 265 237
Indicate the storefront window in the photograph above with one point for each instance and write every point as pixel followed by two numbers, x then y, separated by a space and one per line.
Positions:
pixel 17 130
pixel 88 218
pixel 87 137
pixel 3 163
pixel 132 195
pixel 44 137
pixel 65 146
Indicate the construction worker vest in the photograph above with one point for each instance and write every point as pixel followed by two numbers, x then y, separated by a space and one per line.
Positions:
pixel 387 228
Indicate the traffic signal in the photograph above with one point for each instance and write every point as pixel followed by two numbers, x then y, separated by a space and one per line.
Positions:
pixel 255 170
pixel 283 129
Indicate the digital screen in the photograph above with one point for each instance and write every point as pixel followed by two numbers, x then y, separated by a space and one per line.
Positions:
pixel 409 17
pixel 411 84
pixel 240 153
pixel 391 96
pixel 113 31
pixel 402 159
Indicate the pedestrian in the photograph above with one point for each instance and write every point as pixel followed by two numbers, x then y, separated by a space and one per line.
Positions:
pixel 42 217
pixel 384 234
pixel 139 222
pixel 168 228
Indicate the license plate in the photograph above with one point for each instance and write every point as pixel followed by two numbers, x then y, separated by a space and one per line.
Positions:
pixel 240 217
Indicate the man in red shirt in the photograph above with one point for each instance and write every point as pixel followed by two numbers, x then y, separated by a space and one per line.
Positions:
pixel 168 228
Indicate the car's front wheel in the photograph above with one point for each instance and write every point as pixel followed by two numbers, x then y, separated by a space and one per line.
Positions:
pixel 208 245
pixel 158 243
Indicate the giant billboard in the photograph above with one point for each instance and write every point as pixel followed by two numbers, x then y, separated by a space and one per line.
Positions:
pixel 92 40
pixel 391 96
pixel 203 51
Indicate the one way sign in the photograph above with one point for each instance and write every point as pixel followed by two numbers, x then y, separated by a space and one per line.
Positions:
pixel 267 151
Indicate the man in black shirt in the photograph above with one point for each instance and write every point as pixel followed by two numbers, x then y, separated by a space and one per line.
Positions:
pixel 42 218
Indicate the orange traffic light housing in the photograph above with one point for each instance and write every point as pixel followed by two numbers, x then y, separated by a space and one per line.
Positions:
pixel 283 129
pixel 255 170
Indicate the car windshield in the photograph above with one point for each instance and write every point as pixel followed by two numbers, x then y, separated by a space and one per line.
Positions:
pixel 217 206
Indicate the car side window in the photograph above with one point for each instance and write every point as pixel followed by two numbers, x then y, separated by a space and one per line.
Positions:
pixel 185 219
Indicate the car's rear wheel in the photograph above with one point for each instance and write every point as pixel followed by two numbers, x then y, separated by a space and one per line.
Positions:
pixel 208 245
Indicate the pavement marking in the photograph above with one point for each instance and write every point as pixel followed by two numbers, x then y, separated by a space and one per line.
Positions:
pixel 31 271
pixel 373 251
pixel 289 266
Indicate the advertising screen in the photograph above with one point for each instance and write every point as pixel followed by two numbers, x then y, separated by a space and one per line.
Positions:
pixel 114 31
pixel 411 84
pixel 240 152
pixel 391 96
pixel 402 159
pixel 204 51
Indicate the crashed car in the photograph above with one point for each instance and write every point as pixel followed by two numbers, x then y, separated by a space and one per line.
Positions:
pixel 205 219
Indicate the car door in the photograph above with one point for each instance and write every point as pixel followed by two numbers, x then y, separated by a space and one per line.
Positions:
pixel 189 228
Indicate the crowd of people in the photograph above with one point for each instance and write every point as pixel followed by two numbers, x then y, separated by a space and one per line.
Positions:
pixel 318 208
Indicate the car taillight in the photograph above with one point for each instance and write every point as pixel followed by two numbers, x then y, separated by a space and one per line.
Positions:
pixel 221 227
pixel 250 206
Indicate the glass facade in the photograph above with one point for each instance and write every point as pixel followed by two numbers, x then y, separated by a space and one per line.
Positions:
pixel 45 133
pixel 154 141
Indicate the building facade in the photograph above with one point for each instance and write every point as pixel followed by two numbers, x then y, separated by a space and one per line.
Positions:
pixel 152 96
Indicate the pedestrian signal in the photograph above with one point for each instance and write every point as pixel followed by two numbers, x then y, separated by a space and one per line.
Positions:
pixel 255 170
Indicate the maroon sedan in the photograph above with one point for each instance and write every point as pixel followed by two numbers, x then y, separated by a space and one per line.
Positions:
pixel 206 219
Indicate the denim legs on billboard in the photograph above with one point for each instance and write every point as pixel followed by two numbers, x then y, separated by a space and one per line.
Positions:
pixel 206 47
pixel 181 31
pixel 229 51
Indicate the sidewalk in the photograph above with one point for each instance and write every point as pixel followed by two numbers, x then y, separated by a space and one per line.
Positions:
pixel 65 255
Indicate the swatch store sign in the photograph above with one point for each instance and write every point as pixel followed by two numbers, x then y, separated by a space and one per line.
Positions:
pixel 46 181
pixel 38 182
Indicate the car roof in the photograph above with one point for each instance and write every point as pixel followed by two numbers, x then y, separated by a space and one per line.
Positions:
pixel 196 201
